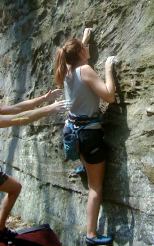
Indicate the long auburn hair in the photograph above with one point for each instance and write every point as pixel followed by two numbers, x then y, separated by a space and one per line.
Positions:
pixel 68 54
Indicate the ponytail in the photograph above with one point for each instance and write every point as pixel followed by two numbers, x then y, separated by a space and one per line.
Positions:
pixel 60 67
pixel 69 54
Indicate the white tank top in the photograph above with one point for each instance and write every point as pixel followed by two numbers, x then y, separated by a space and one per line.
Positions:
pixel 83 100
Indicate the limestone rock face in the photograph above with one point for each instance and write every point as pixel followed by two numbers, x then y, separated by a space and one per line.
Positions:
pixel 30 32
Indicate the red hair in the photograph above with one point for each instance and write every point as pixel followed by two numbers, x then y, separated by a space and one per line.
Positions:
pixel 69 54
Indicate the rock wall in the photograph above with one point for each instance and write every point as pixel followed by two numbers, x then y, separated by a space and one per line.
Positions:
pixel 30 32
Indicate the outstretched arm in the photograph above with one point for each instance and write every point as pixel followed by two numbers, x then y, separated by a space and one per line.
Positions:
pixel 29 104
pixel 110 83
pixel 105 91
pixel 86 35
pixel 31 115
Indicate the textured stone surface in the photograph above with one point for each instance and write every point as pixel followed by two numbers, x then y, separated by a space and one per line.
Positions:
pixel 30 31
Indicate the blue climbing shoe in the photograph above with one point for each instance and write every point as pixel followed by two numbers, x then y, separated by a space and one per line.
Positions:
pixel 80 169
pixel 99 240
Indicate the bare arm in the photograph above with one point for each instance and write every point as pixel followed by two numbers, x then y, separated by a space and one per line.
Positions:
pixel 105 91
pixel 86 35
pixel 110 83
pixel 31 115
pixel 29 104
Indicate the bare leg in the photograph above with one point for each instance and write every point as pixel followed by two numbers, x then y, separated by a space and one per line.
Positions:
pixel 12 188
pixel 95 173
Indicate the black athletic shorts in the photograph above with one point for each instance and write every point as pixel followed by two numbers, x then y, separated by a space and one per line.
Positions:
pixel 3 176
pixel 91 145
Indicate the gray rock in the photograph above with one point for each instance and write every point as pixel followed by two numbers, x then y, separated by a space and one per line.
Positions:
pixel 30 33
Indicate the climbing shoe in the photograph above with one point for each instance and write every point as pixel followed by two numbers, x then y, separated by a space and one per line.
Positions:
pixel 80 169
pixel 99 240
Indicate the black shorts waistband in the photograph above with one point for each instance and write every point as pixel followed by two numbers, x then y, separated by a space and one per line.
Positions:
pixel 82 119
